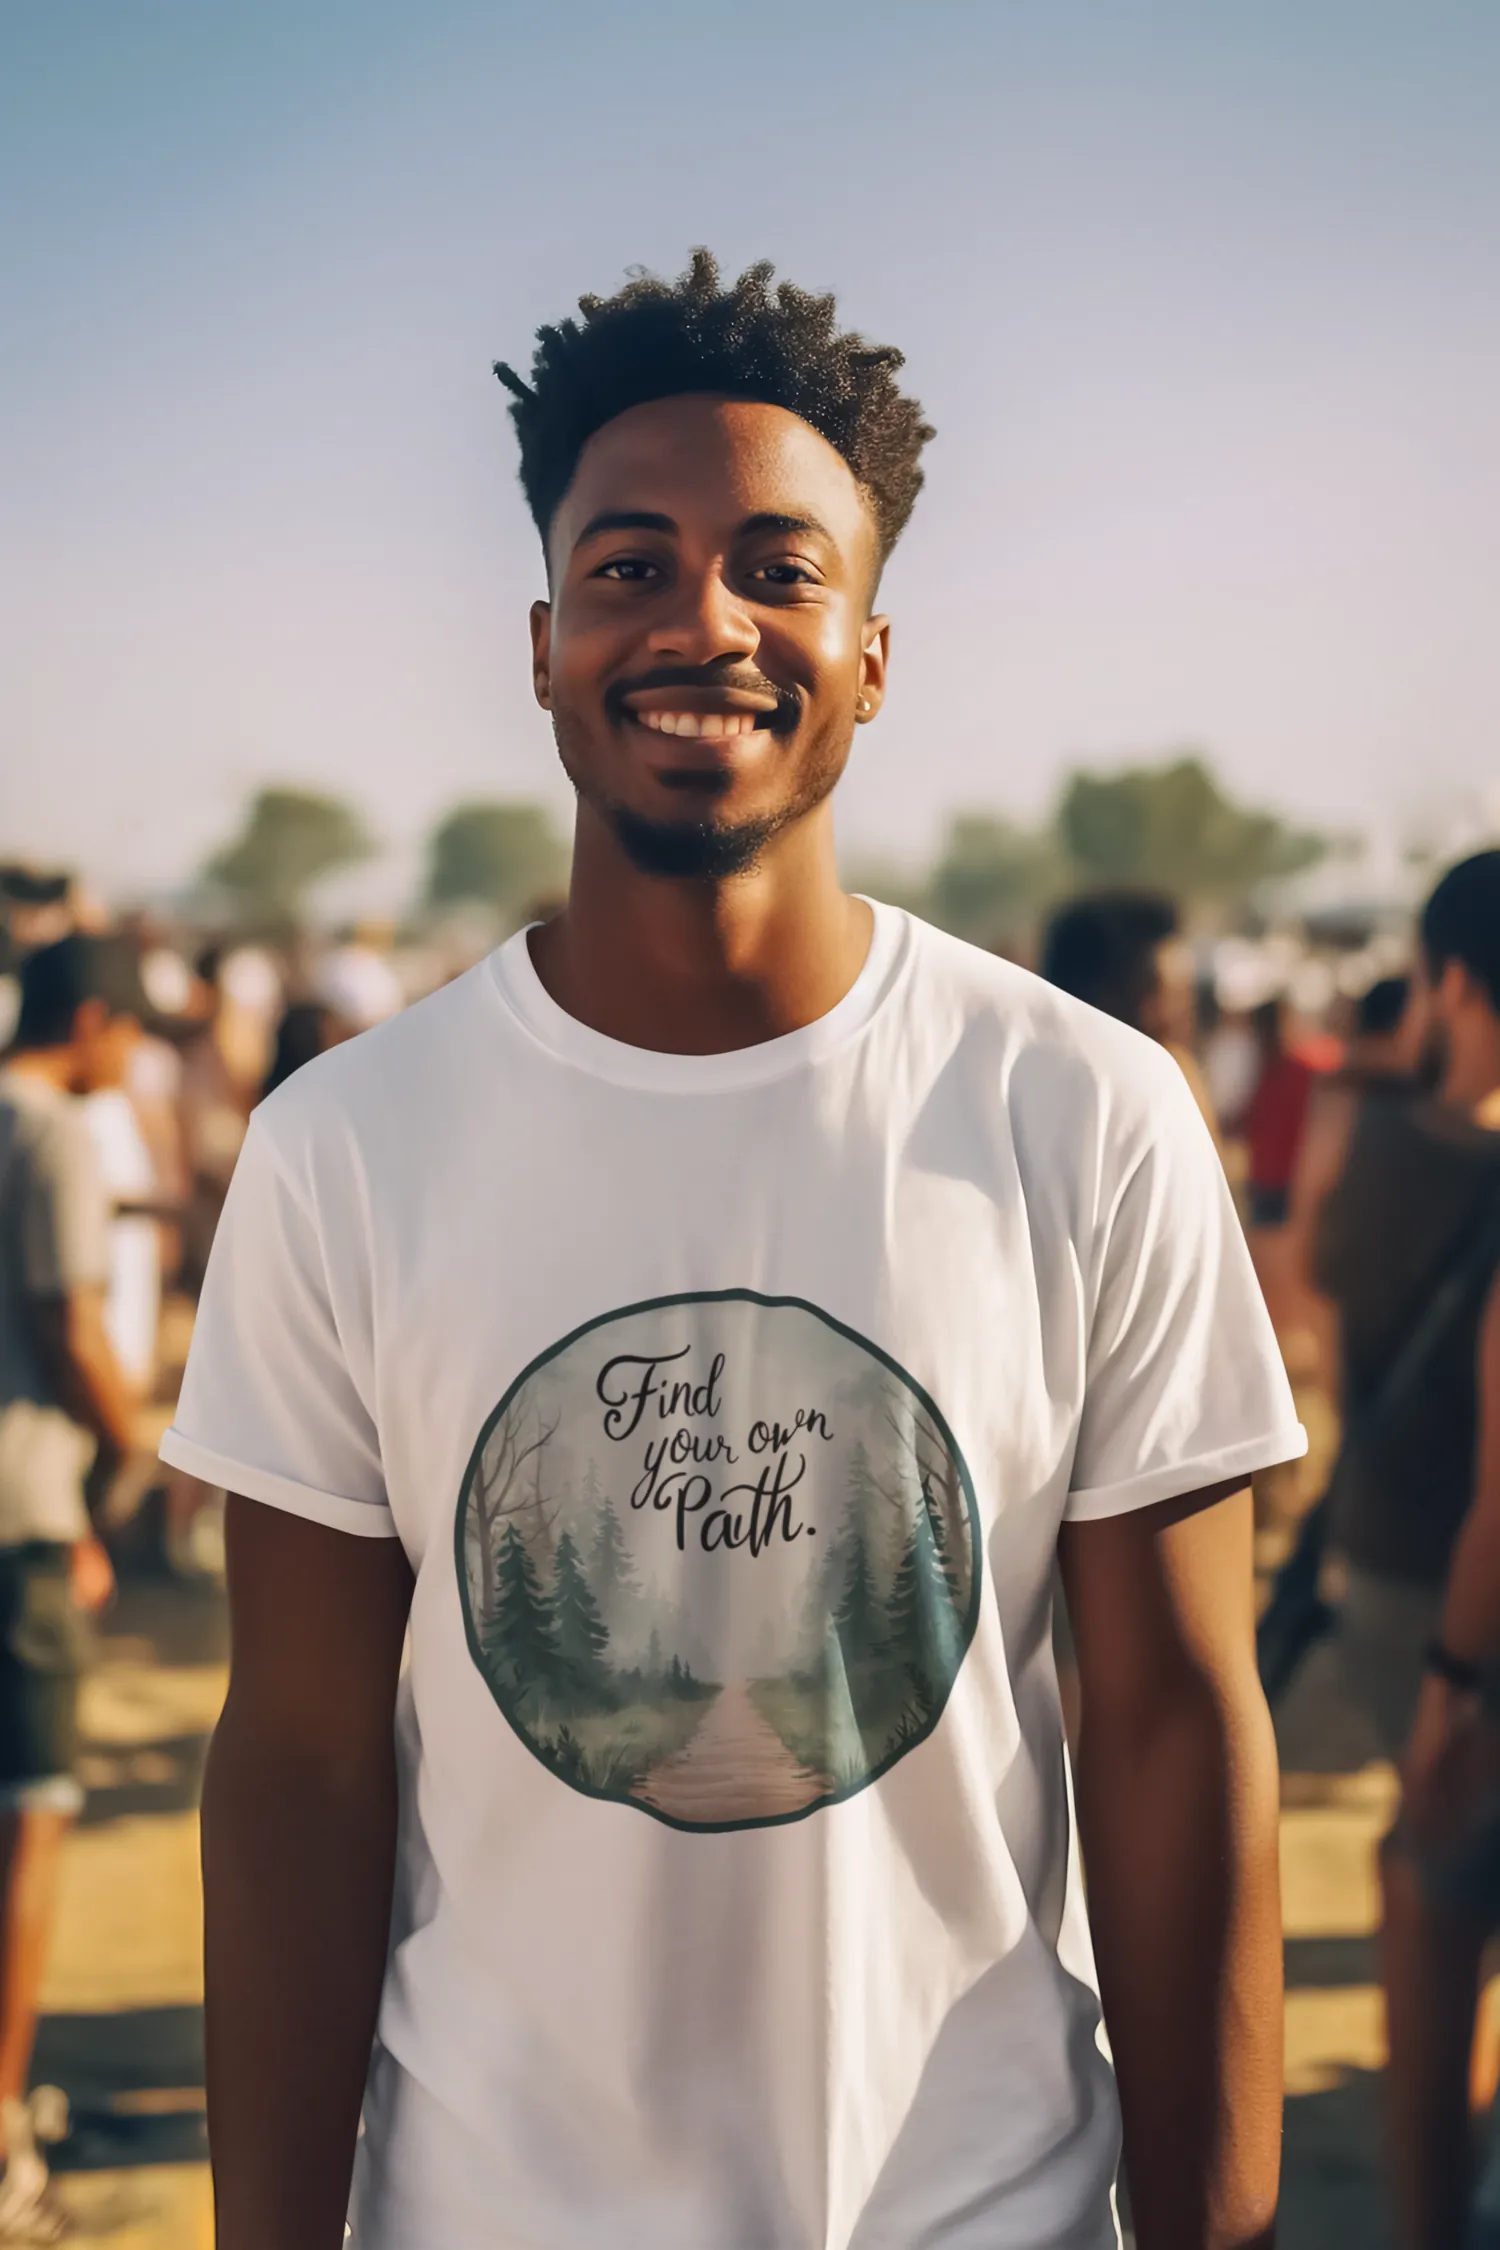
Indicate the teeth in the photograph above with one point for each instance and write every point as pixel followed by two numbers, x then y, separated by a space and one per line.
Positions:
pixel 711 726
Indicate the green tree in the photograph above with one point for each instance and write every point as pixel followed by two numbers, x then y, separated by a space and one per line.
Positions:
pixel 923 1622
pixel 939 1532
pixel 582 1635
pixel 611 1568
pixel 499 855
pixel 523 1632
pixel 991 878
pixel 288 840
pixel 860 1614
pixel 1171 827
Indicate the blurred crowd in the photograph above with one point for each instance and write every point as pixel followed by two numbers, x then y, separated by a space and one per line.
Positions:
pixel 1352 1087
pixel 221 1022
pixel 1255 1024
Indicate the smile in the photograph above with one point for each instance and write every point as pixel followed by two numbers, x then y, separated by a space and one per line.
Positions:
pixel 711 726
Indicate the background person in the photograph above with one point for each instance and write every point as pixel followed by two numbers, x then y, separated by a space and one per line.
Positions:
pixel 1275 1120
pixel 65 1429
pixel 1123 951
pixel 1413 1221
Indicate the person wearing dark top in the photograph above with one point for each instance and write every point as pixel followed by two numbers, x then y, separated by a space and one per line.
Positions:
pixel 1379 1041
pixel 1415 1211
pixel 1124 953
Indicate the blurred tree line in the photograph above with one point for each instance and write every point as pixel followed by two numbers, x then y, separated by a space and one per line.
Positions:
pixel 1167 826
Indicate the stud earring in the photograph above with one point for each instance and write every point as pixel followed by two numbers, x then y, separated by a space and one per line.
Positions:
pixel 862 708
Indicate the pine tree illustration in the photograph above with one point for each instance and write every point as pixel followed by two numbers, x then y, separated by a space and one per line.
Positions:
pixel 523 1635
pixel 924 1625
pixel 582 1635
pixel 860 1615
pixel 939 1534
pixel 611 1569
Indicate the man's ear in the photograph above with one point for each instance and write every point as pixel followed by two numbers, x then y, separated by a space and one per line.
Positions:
pixel 874 658
pixel 541 653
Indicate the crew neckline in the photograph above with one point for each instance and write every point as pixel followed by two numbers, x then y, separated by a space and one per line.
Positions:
pixel 567 1040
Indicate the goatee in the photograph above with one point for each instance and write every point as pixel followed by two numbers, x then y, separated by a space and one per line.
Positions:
pixel 692 850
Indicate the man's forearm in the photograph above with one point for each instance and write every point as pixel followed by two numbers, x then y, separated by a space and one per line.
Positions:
pixel 298 1868
pixel 1179 1831
pixel 1471 1607
pixel 82 1371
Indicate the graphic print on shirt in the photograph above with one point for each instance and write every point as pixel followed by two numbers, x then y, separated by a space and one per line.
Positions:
pixel 718 1558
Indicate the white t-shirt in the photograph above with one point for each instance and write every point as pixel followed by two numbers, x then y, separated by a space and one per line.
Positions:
pixel 728 1407
pixel 132 1309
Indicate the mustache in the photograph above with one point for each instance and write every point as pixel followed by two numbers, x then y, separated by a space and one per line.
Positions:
pixel 742 679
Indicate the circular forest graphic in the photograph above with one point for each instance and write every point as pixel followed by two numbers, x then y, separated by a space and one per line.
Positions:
pixel 718 1559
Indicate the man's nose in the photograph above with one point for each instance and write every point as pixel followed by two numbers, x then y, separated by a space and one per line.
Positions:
pixel 704 621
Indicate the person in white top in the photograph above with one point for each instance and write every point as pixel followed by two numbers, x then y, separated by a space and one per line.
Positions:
pixel 701 1326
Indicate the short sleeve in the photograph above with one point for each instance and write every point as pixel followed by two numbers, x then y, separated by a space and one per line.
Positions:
pixel 1184 1383
pixel 270 1406
pixel 64 1211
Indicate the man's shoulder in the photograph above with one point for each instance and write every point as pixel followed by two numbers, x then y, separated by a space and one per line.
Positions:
pixel 394 1073
pixel 43 1122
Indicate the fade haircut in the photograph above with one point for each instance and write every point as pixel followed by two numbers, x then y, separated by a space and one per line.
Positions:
pixel 657 339
pixel 1461 922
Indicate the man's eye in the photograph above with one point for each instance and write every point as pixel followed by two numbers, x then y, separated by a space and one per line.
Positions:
pixel 630 570
pixel 786 574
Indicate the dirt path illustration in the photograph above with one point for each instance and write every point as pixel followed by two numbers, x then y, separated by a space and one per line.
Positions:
pixel 736 1767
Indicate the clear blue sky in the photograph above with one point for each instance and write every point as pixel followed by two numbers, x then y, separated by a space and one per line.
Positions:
pixel 1203 301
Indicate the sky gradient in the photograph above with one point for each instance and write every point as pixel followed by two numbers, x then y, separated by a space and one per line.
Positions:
pixel 1202 302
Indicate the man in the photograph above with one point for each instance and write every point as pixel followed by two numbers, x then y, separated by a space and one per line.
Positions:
pixel 1275 1123
pixel 1123 951
pixel 1410 1232
pixel 719 1302
pixel 64 1431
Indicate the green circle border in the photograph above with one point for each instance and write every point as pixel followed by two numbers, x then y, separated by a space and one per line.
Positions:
pixel 970 1621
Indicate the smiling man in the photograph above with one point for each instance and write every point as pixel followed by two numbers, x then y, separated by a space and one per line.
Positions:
pixel 702 1327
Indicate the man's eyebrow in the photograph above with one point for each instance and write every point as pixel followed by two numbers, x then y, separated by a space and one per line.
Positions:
pixel 624 519
pixel 772 520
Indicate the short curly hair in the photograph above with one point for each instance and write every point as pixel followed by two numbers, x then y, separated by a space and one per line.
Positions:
pixel 656 339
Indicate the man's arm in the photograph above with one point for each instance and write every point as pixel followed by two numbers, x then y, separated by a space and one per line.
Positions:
pixel 1177 1805
pixel 1320 1167
pixel 299 1848
pixel 84 1377
pixel 1449 1761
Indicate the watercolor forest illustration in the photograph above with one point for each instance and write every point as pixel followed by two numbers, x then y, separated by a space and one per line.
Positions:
pixel 718 1559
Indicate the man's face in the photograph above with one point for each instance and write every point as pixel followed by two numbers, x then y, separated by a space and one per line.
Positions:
pixel 102 1045
pixel 708 648
pixel 1168 1011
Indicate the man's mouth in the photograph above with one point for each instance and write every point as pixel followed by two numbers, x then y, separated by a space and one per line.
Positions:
pixel 706 726
pixel 708 711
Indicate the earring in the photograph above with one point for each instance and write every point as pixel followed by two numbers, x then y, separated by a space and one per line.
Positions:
pixel 862 708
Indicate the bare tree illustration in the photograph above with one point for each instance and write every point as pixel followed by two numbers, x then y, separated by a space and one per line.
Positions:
pixel 507 1488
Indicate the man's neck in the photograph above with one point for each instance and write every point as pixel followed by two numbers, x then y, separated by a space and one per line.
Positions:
pixel 700 968
pixel 44 1066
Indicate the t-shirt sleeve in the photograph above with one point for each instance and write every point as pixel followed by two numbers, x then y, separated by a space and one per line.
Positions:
pixel 274 1398
pixel 1184 1383
pixel 64 1214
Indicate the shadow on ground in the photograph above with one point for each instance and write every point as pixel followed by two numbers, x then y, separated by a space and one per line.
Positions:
pixel 134 2078
pixel 1331 2137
